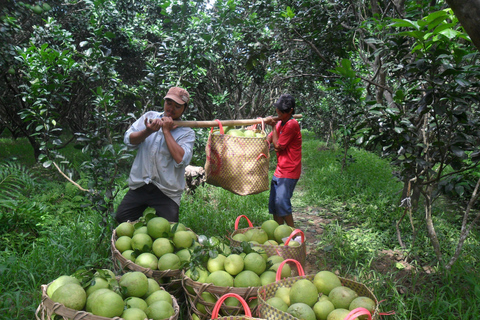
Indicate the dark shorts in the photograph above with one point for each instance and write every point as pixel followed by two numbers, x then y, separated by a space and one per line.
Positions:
pixel 136 201
pixel 281 191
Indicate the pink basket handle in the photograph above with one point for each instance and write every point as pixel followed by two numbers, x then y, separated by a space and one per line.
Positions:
pixel 278 276
pixel 219 302
pixel 219 125
pixel 355 313
pixel 238 220
pixel 295 232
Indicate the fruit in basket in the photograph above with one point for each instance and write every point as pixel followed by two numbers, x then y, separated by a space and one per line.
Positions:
pixel 158 227
pixel 275 259
pixel 255 262
pixel 249 133
pixel 135 282
pixel 152 287
pixel 362 302
pixel 271 243
pixel 159 295
pixel 142 229
pixel 206 297
pixel 136 302
pixel 239 237
pixel 304 291
pixel 142 242
pixel 261 251
pixel 182 240
pixel 269 226
pixel 147 260
pixel 60 281
pixel 159 310
pixel 217 263
pixel 342 296
pixel 247 278
pixel 71 295
pixel 286 270
pixel 302 311
pixel 134 314
pixel 123 243
pixel 325 281
pixel 178 226
pixel 233 264
pixel 105 303
pixel 128 254
pixel 282 231
pixel 284 294
pixel 338 314
pixel 97 283
pixel 220 278
pixel 169 261
pixel 235 133
pixel 267 277
pixel 322 309
pixel 184 255
pixel 125 229
pixel 277 303
pixel 161 246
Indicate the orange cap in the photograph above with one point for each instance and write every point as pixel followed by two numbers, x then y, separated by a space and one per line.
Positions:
pixel 178 95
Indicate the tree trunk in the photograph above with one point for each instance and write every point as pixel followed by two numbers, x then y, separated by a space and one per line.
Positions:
pixel 430 227
pixel 468 13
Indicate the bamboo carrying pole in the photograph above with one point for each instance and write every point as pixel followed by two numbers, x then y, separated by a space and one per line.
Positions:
pixel 214 123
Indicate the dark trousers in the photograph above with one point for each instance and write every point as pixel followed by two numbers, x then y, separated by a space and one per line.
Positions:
pixel 136 201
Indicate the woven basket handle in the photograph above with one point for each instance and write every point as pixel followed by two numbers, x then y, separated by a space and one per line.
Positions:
pixel 355 313
pixel 238 220
pixel 295 232
pixel 219 302
pixel 219 125
pixel 279 270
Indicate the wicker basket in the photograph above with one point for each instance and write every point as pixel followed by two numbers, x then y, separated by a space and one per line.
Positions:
pixel 50 310
pixel 287 252
pixel 246 308
pixel 268 291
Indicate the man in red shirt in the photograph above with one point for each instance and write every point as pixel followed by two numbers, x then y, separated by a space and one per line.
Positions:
pixel 287 141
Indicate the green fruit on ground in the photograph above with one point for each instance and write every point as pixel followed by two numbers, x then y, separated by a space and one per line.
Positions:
pixel 71 295
pixel 184 255
pixel 269 226
pixel 128 254
pixel 233 264
pixel 268 277
pixel 259 235
pixel 325 281
pixel 217 263
pixel 46 7
pixel 37 9
pixel 286 270
pixel 60 281
pixel 97 283
pixel 182 240
pixel 284 294
pixel 123 243
pixel 281 232
pixel 160 295
pixel 136 302
pixel 107 303
pixel 220 278
pixel 161 246
pixel 206 297
pixel 125 229
pixel 277 303
pixel 362 302
pixel 338 314
pixel 275 259
pixel 271 243
pixel 147 260
pixel 158 227
pixel 301 311
pixel 142 229
pixel 142 242
pixel 255 262
pixel 134 314
pixel 239 237
pixel 322 309
pixel 135 282
pixel 152 287
pixel 169 261
pixel 11 71
pixel 341 297
pixel 159 310
pixel 247 278
pixel 304 291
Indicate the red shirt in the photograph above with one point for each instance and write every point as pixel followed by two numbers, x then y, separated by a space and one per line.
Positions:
pixel 289 160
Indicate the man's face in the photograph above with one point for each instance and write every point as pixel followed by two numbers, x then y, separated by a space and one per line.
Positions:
pixel 283 116
pixel 173 109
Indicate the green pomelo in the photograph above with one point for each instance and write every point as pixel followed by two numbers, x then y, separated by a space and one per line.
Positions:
pixel 46 7
pixel 233 264
pixel 160 295
pixel 197 274
pixel 152 287
pixel 239 237
pixel 192 234
pixel 142 242
pixel 217 263
pixel 128 254
pixel 277 303
pixel 142 229
pixel 107 304
pixel 338 314
pixel 93 297
pixel 249 133
pixel 322 309
pixel 207 297
pixel 275 259
pixel 261 251
pixel 147 260
pixel 37 9
pixel 271 243
pixel 125 229
pixel 304 291
pixel 71 295
pixel 255 262
pixel 161 246
pixel 293 243
pixel 341 297
pixel 259 235
pixel 105 274
pixel 281 232
pixel 60 281
pixel 249 234
pixel 160 310
pixel 225 249
pixel 247 278
pixel 123 243
pixel 158 227
pixel 184 255
pixel 169 261
pixel 325 281
pixel 323 297
pixel 269 226
pixel 220 278
pixel 362 302
pixel 284 294
pixel 97 283
pixel 286 270
pixel 136 302
pixel 135 282
pixel 182 240
pixel 268 277
pixel 301 311
pixel 178 227
pixel 134 314
pixel 235 133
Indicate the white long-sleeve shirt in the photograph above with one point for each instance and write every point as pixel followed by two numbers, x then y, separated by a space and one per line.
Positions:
pixel 154 163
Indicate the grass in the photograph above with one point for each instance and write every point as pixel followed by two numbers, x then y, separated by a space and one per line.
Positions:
pixel 48 229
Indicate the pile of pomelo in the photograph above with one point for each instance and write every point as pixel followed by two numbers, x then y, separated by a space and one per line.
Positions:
pixel 322 297
pixel 131 296
pixel 270 233
pixel 241 132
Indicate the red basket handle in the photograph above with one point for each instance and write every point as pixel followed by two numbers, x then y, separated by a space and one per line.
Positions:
pixel 355 313
pixel 278 276
pixel 219 302
pixel 219 125
pixel 238 220
pixel 294 232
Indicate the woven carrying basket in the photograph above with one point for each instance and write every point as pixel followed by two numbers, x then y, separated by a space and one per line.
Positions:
pixel 237 164
pixel 287 252
pixel 246 308
pixel 268 291
pixel 196 297
pixel 50 310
